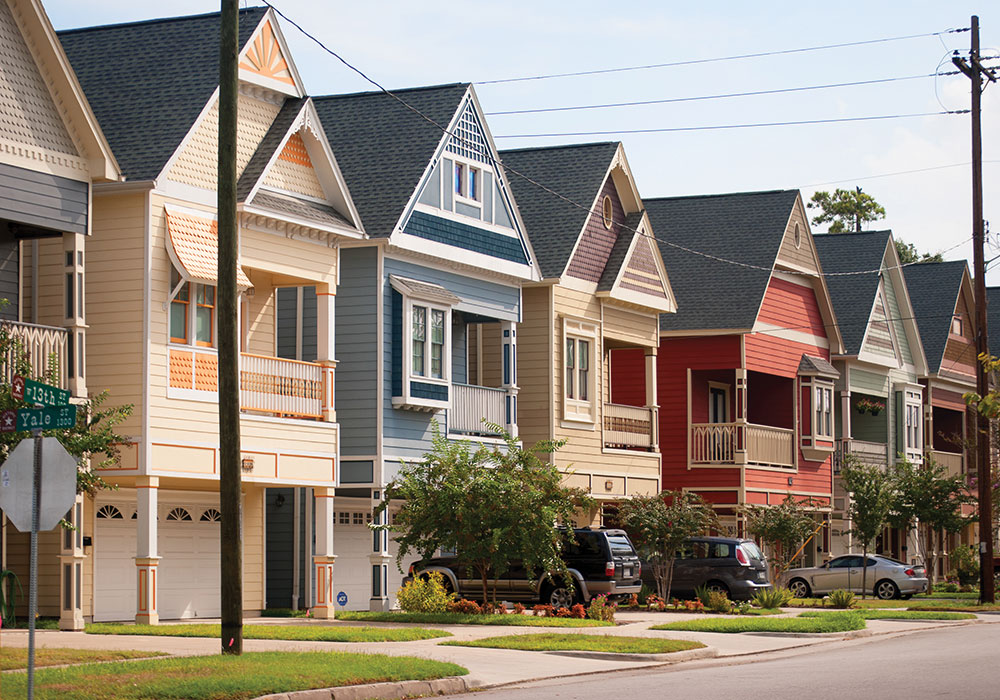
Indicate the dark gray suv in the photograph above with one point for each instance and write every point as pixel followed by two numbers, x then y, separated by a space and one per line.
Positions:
pixel 732 565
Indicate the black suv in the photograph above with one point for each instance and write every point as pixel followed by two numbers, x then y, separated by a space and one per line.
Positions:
pixel 599 561
pixel 732 565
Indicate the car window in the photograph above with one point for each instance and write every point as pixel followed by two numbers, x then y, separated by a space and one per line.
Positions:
pixel 587 545
pixel 620 545
pixel 699 550
pixel 752 550
pixel 845 562
pixel 871 562
pixel 720 550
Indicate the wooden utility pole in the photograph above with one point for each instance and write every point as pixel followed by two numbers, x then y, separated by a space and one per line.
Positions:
pixel 975 71
pixel 230 476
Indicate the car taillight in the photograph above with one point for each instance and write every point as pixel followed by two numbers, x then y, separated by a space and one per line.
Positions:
pixel 410 570
pixel 609 569
pixel 638 569
pixel 741 557
pixel 910 572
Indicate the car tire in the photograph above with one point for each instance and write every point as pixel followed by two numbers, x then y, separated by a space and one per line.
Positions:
pixel 886 590
pixel 718 587
pixel 799 588
pixel 560 595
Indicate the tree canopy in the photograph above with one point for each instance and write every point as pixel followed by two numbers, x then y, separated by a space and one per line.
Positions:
pixel 909 254
pixel 872 491
pixel 782 528
pixel 845 210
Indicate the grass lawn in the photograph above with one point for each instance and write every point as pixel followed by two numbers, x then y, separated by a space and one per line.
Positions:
pixel 214 677
pixel 830 622
pixel 11 658
pixel 458 619
pixel 298 633
pixel 974 595
pixel 283 612
pixel 912 604
pixel 897 615
pixel 41 623
pixel 556 641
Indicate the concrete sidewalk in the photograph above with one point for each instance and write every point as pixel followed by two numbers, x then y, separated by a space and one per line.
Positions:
pixel 487 667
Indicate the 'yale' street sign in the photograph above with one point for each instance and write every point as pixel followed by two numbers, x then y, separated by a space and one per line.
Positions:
pixel 45 418
pixel 35 392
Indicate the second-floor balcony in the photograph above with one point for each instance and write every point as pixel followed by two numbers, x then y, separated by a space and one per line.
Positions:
pixel 41 348
pixel 742 444
pixel 873 454
pixel 953 462
pixel 478 410
pixel 629 427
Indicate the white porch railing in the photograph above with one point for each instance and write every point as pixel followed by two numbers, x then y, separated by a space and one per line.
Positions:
pixel 742 443
pixel 472 407
pixel 280 386
pixel 628 426
pixel 39 344
pixel 871 453
pixel 952 461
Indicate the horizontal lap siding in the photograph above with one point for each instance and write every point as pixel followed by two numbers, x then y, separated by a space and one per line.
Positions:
pixel 41 199
pixel 356 343
pixel 773 355
pixel 793 306
pixel 960 351
pixel 534 368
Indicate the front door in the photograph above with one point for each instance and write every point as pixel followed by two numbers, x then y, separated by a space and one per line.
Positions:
pixel 718 412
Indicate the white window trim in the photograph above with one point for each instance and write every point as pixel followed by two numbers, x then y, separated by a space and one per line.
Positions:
pixel 410 300
pixel 192 312
pixel 912 406
pixel 576 410
pixel 819 385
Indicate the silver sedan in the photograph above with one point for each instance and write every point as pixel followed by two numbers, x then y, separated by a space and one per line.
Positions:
pixel 886 578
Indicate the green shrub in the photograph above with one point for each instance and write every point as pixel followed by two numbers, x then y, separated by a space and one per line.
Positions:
pixel 425 594
pixel 965 562
pixel 601 609
pixel 842 599
pixel 718 602
pixel 772 597
pixel 949 587
pixel 702 593
pixel 742 608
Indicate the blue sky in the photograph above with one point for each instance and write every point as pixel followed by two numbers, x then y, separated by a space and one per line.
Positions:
pixel 404 44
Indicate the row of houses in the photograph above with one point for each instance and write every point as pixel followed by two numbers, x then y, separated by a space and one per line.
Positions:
pixel 399 275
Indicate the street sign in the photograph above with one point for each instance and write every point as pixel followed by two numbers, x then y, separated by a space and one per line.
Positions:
pixel 17 387
pixel 44 418
pixel 58 476
pixel 44 394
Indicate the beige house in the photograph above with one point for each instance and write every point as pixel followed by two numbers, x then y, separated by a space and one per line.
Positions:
pixel 603 289
pixel 150 293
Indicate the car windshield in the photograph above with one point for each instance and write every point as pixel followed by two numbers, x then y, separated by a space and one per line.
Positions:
pixel 751 549
pixel 620 544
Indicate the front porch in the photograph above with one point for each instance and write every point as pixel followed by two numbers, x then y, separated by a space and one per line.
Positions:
pixel 484 376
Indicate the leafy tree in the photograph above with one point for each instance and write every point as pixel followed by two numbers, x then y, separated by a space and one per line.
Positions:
pixel 909 254
pixel 659 526
pixel 927 498
pixel 782 528
pixel 490 505
pixel 845 210
pixel 872 492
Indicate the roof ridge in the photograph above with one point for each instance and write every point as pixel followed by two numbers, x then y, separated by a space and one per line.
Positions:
pixel 156 20
pixel 647 200
pixel 593 144
pixel 366 93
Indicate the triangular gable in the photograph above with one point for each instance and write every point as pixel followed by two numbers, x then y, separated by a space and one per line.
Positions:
pixel 293 171
pixel 265 60
pixel 880 338
pixel 642 279
pixel 900 309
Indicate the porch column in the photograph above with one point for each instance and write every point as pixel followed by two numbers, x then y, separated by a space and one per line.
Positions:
pixel 508 332
pixel 324 557
pixel 325 346
pixel 379 559
pixel 71 570
pixel 73 313
pixel 146 557
pixel 740 446
pixel 651 400
pixel 845 430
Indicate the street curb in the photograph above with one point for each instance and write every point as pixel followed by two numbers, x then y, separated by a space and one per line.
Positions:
pixel 853 634
pixel 675 657
pixel 381 691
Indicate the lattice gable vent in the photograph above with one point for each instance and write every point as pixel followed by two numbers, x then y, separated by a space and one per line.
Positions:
pixel 469 139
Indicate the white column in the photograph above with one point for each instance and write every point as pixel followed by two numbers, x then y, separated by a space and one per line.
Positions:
pixel 651 399
pixel 508 355
pixel 324 557
pixel 379 559
pixel 71 570
pixel 325 346
pixel 73 313
pixel 146 558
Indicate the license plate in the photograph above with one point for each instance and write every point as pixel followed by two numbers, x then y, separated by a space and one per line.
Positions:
pixel 760 576
pixel 627 571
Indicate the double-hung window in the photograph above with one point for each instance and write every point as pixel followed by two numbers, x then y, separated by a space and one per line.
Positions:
pixel 579 378
pixel 910 423
pixel 192 313
pixel 823 411
pixel 427 341
pixel 577 369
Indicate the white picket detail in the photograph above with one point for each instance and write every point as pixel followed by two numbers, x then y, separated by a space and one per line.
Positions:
pixel 713 443
pixel 770 446
pixel 39 343
pixel 471 404
pixel 279 386
pixel 627 426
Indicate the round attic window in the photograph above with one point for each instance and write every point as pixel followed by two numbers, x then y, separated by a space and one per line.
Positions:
pixel 798 236
pixel 608 211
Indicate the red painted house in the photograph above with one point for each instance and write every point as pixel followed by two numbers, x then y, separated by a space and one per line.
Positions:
pixel 744 377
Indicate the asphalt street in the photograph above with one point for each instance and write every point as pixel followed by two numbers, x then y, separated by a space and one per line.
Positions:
pixel 960 662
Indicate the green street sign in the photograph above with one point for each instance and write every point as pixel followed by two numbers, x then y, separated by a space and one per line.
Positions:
pixel 36 392
pixel 46 418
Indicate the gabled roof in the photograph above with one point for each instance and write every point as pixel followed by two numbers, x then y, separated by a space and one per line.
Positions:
pixel 576 172
pixel 934 290
pixel 852 295
pixel 383 148
pixel 813 366
pixel 147 82
pixel 619 252
pixel 746 227
pixel 272 140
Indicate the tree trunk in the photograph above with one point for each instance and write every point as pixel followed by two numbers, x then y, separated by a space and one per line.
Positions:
pixel 669 579
pixel 930 565
pixel 864 572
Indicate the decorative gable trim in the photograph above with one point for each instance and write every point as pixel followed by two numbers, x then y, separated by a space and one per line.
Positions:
pixel 892 267
pixel 642 278
pixel 266 60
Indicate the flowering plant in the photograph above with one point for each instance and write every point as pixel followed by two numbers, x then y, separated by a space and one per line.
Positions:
pixel 867 405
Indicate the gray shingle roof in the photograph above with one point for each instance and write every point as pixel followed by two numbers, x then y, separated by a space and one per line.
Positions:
pixel 383 148
pixel 268 145
pixel 302 208
pixel 575 172
pixel 810 365
pixel 852 295
pixel 746 227
pixel 147 82
pixel 934 290
pixel 616 258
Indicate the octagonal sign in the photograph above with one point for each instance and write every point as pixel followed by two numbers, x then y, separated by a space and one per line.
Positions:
pixel 58 484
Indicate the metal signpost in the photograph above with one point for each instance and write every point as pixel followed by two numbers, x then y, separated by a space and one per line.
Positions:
pixel 24 467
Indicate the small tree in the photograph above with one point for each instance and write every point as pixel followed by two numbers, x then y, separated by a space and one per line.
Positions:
pixel 872 493
pixel 659 525
pixel 927 498
pixel 908 253
pixel 782 528
pixel 845 210
pixel 489 505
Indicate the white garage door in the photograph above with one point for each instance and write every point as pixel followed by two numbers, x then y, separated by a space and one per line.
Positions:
pixel 188 572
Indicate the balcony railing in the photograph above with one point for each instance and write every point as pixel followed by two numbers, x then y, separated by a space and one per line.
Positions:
pixel 280 386
pixel 474 407
pixel 40 345
pixel 954 462
pixel 742 443
pixel 871 453
pixel 628 427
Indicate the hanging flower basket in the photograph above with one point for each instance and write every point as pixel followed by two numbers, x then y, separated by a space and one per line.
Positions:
pixel 867 405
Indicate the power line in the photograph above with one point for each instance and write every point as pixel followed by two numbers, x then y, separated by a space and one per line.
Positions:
pixel 719 127
pixel 697 61
pixel 898 172
pixel 718 96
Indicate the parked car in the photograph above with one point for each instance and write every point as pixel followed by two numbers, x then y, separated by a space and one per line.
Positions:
pixel 600 561
pixel 886 578
pixel 731 565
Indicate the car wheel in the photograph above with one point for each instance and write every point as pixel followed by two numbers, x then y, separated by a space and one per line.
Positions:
pixel 718 587
pixel 559 596
pixel 799 588
pixel 886 590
